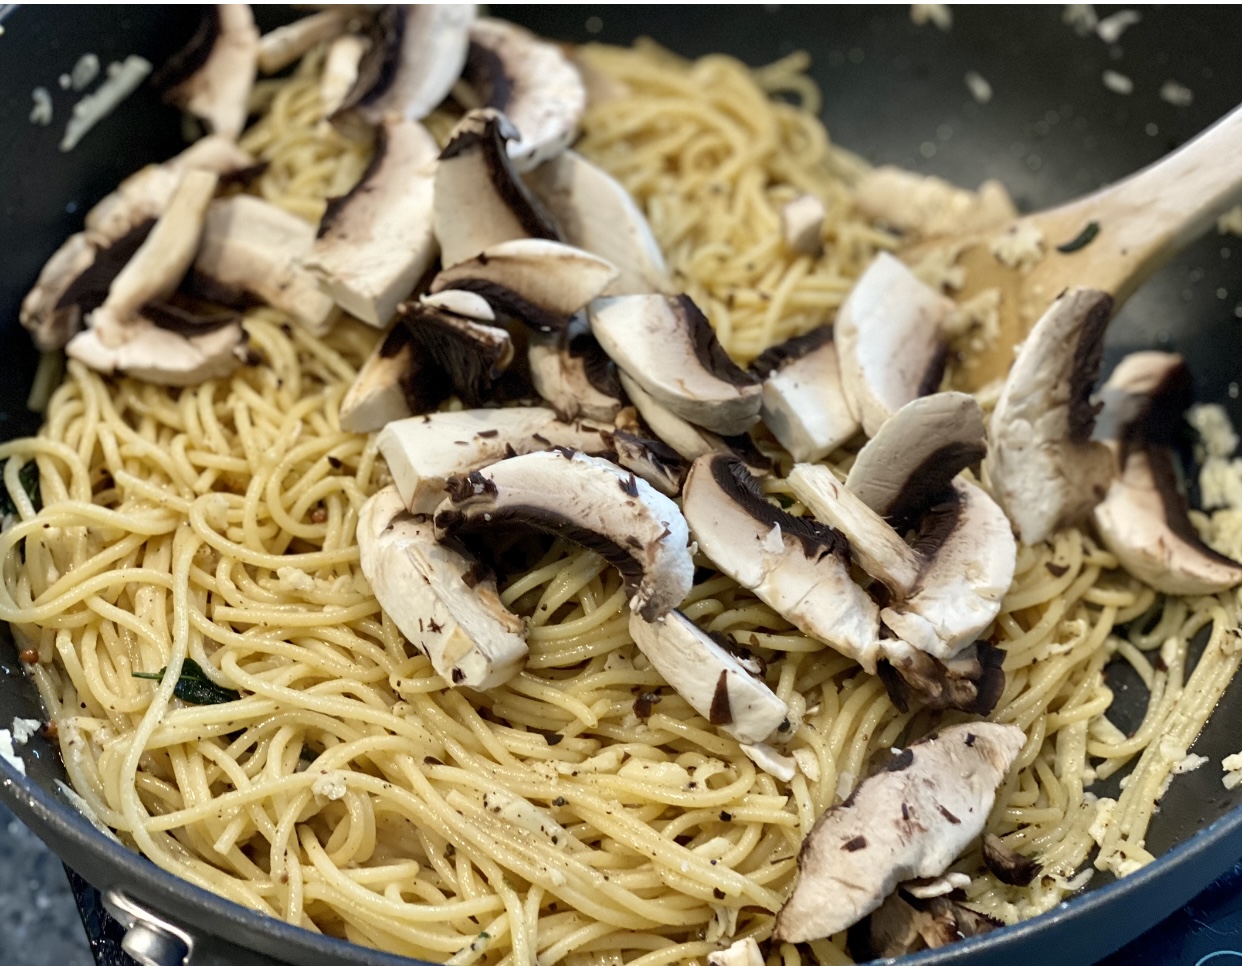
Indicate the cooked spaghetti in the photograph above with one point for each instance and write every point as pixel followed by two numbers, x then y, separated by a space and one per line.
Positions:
pixel 581 813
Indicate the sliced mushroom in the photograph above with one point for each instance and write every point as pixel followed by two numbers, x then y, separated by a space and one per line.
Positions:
pixel 971 681
pixel 709 677
pixel 281 47
pixel 532 82
pixel 143 196
pixel 439 596
pixel 802 225
pixel 250 249
pixel 908 464
pixel 969 558
pixel 796 566
pixel 392 384
pixel 889 341
pixel 909 821
pixel 1045 469
pixel 924 207
pixel 416 54
pixel 157 355
pixel 587 500
pixel 376 242
pixel 687 440
pixel 743 952
pixel 874 544
pixel 466 304
pixel 1011 867
pixel 424 452
pixel 593 211
pixel 538 282
pixel 941 885
pixel 667 346
pixel 650 459
pixel 573 374
pixel 340 71
pixel 479 199
pixel 160 262
pixel 1144 518
pixel 212 76
pixel 470 356
pixel 804 404
pixel 904 925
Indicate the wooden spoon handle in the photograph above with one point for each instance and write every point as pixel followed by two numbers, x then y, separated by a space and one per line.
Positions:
pixel 1151 215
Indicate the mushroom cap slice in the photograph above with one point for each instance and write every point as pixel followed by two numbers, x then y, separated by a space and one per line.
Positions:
pixel 156 355
pixel 466 304
pixel 802 225
pixel 888 341
pixel 281 47
pixel 532 81
pixel 1043 466
pixel 538 282
pixel 212 76
pixel 971 681
pixel 659 465
pixel 709 677
pixel 667 346
pixel 573 374
pixel 416 55
pixel 593 211
pixel 1144 521
pixel 143 196
pixel 874 544
pixel 804 403
pixel 340 71
pixel 424 452
pixel 798 567
pixel 392 384
pixel 160 262
pixel 690 441
pixel 376 242
pixel 969 558
pixel 907 466
pixel 479 199
pixel 587 500
pixel 909 821
pixel 469 356
pixel 436 595
pixel 52 311
pixel 251 248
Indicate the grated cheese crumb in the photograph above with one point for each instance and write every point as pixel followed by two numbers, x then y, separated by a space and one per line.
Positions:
pixel 1171 92
pixel 293 580
pixel 1233 770
pixel 1118 83
pixel 8 753
pixel 1103 820
pixel 1112 27
pixel 24 728
pixel 1021 247
pixel 933 13
pixel 123 78
pixel 330 785
pixel 978 86
pixel 1081 16
pixel 41 112
pixel 1230 223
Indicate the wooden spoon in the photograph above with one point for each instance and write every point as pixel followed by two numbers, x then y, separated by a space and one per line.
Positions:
pixel 1140 223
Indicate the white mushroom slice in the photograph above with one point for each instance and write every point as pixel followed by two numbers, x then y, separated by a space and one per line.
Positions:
pixel 376 242
pixel 744 952
pixel 281 47
pixel 251 248
pixel 538 282
pixel 804 404
pixel 709 677
pixel 969 558
pixel 971 681
pixel 340 71
pixel 391 385
pixel 424 452
pixel 159 264
pixel 143 196
pixel 889 342
pixel 874 544
pixel 462 357
pixel 479 199
pixel 1044 468
pixel 798 567
pixel 689 441
pixel 907 465
pixel 659 465
pixel 52 311
pixel 573 374
pixel 1144 399
pixel 771 761
pixel 212 76
pixel 438 597
pixel 667 346
pixel 923 206
pixel 466 304
pixel 593 211
pixel 156 355
pixel 416 54
pixel 897 928
pixel 587 500
pixel 532 82
pixel 909 821
pixel 802 225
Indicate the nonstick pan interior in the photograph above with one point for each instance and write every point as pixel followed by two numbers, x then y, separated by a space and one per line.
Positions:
pixel 893 92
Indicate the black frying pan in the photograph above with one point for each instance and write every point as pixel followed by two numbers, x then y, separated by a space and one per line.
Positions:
pixel 894 93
